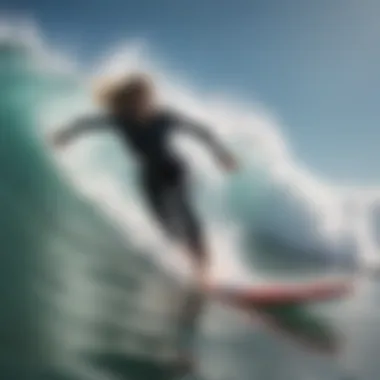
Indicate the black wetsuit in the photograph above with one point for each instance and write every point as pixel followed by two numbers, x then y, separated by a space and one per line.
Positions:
pixel 164 174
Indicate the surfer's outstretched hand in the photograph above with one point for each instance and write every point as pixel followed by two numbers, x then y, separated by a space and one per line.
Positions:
pixel 229 163
pixel 57 140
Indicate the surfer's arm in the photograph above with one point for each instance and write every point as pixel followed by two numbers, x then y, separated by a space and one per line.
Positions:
pixel 77 128
pixel 201 132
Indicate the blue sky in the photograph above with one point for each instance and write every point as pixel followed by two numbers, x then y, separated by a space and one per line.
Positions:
pixel 315 63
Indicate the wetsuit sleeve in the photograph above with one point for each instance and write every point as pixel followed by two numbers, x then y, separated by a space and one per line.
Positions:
pixel 79 127
pixel 201 132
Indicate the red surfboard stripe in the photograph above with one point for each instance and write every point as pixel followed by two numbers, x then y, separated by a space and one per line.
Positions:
pixel 286 293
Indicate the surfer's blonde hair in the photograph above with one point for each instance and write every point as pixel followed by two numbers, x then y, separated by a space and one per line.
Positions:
pixel 108 90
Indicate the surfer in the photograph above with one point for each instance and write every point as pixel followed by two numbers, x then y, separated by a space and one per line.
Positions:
pixel 133 113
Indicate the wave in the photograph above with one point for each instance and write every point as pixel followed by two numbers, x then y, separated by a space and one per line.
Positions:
pixel 50 228
pixel 273 195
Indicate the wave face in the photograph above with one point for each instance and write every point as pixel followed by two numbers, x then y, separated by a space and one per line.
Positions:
pixel 72 284
pixel 78 246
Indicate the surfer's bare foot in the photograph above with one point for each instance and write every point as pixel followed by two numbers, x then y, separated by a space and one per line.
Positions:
pixel 203 278
pixel 201 269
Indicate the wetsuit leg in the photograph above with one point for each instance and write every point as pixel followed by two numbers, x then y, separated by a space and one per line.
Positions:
pixel 186 216
pixel 170 202
pixel 157 197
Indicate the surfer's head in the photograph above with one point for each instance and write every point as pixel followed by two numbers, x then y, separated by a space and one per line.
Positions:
pixel 131 97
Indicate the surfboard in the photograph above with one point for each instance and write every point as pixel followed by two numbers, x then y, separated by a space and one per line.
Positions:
pixel 284 293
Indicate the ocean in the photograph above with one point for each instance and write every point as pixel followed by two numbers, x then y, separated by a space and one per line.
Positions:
pixel 90 289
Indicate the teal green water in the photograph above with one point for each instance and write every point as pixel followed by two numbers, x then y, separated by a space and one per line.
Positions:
pixel 78 301
pixel 50 239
